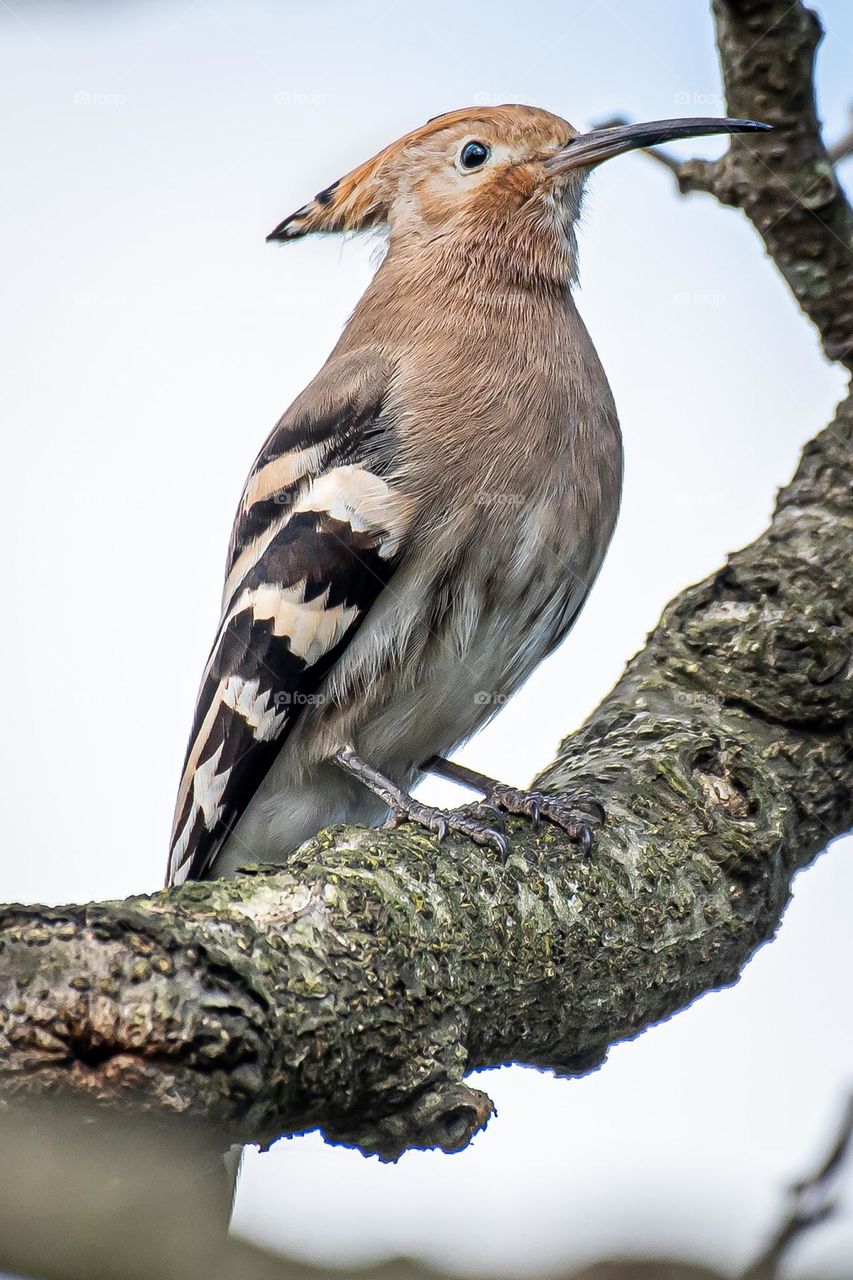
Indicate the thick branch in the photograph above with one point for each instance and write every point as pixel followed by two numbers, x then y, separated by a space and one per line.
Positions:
pixel 784 181
pixel 354 991
pixel 787 185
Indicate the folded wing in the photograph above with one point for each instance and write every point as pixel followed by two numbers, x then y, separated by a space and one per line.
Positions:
pixel 319 532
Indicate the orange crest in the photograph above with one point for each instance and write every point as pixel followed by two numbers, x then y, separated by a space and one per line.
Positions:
pixel 362 198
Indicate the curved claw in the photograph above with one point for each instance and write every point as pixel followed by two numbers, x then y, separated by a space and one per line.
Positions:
pixel 535 813
pixel 584 838
pixel 501 843
pixel 441 827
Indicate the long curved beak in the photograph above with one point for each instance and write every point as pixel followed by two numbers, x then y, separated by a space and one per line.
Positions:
pixel 587 149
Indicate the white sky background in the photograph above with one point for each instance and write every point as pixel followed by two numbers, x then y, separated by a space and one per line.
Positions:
pixel 151 341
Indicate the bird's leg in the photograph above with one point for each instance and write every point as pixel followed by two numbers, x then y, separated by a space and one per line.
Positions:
pixel 405 808
pixel 573 811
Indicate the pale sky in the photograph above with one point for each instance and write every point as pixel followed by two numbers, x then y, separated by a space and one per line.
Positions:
pixel 152 339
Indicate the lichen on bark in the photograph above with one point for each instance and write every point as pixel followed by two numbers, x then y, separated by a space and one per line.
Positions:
pixel 356 989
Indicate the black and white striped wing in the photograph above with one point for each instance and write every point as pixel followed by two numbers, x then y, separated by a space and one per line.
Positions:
pixel 318 534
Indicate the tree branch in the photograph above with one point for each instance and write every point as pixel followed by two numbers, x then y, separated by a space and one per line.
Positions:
pixel 811 1202
pixel 784 181
pixel 843 148
pixel 690 175
pixel 787 186
pixel 354 990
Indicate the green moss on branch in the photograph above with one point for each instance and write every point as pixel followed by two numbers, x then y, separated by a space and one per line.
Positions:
pixel 355 991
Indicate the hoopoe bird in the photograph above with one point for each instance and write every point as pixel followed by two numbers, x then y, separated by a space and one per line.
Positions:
pixel 425 522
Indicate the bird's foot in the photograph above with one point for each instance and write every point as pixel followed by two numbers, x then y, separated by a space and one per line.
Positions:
pixel 578 813
pixel 442 821
pixel 405 808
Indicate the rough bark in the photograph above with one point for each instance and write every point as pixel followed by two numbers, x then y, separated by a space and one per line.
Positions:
pixel 355 990
pixel 786 184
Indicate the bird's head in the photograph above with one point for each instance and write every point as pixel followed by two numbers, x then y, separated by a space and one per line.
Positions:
pixel 481 170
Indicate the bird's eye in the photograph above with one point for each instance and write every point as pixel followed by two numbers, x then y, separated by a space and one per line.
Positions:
pixel 473 155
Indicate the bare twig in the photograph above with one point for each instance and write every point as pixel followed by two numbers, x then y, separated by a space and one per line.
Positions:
pixel 811 1201
pixel 697 175
pixel 784 181
pixel 690 175
pixel 843 148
